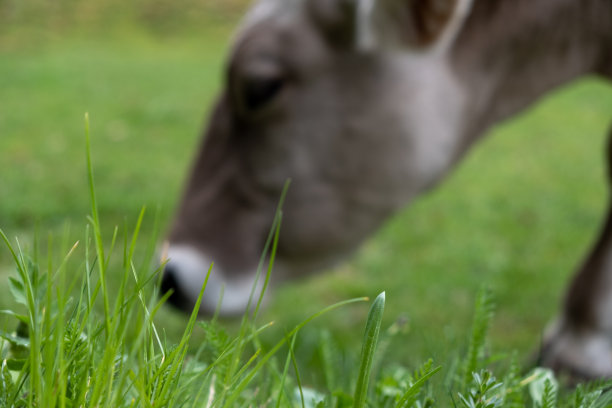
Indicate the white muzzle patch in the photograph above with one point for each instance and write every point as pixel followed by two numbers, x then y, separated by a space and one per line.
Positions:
pixel 190 267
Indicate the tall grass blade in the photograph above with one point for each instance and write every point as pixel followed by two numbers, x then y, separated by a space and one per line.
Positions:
pixel 269 247
pixel 281 387
pixel 274 234
pixel 370 339
pixel 95 223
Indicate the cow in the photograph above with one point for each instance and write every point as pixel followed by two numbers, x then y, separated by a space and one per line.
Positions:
pixel 364 105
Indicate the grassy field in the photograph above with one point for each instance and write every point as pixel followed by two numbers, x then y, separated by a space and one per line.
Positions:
pixel 517 215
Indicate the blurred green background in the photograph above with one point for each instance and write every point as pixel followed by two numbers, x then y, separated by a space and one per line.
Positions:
pixel 517 215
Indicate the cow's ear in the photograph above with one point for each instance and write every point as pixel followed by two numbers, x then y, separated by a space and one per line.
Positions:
pixel 375 24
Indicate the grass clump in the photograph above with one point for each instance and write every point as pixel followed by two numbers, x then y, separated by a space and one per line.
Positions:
pixel 66 353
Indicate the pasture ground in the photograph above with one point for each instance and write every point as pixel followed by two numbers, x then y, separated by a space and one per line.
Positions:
pixel 517 215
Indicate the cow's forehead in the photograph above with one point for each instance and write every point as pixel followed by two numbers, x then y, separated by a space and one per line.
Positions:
pixel 265 10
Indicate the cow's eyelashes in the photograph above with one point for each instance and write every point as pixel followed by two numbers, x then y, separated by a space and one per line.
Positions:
pixel 258 92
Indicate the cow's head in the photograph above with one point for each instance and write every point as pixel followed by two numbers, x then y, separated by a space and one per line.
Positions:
pixel 353 100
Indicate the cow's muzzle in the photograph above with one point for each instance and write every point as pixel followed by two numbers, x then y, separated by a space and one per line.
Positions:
pixel 185 273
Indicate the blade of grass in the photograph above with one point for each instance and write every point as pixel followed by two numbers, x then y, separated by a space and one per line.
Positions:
pixel 95 223
pixel 271 240
pixel 370 339
pixel 415 388
pixel 297 373
pixel 276 228
pixel 175 359
pixel 281 386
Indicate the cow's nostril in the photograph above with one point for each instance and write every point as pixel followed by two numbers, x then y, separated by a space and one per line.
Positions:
pixel 170 283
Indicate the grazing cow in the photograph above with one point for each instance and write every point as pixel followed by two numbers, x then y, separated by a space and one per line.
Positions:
pixel 365 104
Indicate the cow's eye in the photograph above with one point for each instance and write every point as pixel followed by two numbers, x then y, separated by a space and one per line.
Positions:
pixel 259 91
pixel 256 82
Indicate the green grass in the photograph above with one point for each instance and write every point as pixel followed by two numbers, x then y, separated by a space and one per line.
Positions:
pixel 518 214
pixel 66 352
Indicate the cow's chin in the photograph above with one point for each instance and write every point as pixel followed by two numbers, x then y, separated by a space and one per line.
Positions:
pixel 185 273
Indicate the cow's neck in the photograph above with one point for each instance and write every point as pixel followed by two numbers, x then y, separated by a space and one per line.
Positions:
pixel 513 51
